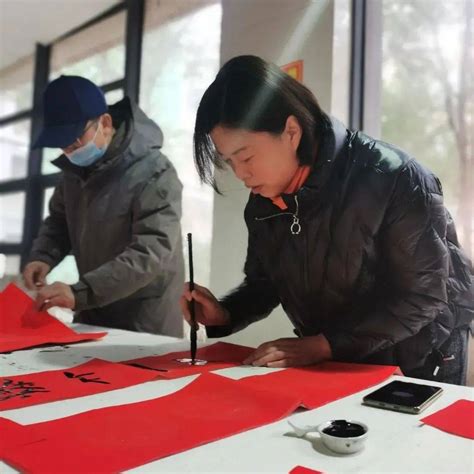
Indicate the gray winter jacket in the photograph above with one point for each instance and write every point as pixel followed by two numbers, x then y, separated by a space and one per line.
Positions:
pixel 120 218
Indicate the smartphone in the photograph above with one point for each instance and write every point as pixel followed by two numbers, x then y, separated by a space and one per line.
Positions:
pixel 406 397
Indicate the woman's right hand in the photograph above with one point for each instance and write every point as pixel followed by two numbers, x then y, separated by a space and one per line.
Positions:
pixel 207 309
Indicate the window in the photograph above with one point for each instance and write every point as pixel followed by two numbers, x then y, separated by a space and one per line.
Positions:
pixel 97 52
pixel 341 61
pixel 427 96
pixel 113 96
pixel 172 83
pixel 49 155
pixel 12 211
pixel 9 268
pixel 14 149
pixel 16 87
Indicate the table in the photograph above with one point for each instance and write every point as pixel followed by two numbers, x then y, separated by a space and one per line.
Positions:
pixel 397 442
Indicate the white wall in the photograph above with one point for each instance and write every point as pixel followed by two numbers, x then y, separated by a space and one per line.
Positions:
pixel 280 31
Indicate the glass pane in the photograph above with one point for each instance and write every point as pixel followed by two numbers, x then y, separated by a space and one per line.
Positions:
pixel 341 60
pixel 172 83
pixel 114 96
pixel 97 53
pixel 9 265
pixel 12 211
pixel 48 192
pixel 425 108
pixel 49 155
pixel 16 87
pixel 10 270
pixel 14 150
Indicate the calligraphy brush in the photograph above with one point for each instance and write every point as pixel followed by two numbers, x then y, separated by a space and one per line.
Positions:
pixel 193 333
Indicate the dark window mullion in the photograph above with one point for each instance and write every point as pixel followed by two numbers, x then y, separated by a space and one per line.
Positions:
pixel 34 196
pixel 16 117
pixel 103 16
pixel 112 86
pixel 14 185
pixel 10 249
pixel 358 33
pixel 133 47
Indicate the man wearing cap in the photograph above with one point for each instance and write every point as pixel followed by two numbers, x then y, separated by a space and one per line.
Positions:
pixel 117 209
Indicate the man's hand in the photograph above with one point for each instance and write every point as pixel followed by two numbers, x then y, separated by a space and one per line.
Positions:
pixel 57 294
pixel 291 352
pixel 34 274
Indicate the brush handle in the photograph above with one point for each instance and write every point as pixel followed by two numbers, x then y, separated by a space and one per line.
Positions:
pixel 191 303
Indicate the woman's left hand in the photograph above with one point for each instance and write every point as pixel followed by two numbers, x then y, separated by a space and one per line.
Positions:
pixel 291 352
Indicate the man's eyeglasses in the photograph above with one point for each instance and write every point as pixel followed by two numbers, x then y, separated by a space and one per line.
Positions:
pixel 78 141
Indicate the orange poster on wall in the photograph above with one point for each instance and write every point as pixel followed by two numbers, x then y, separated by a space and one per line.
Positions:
pixel 294 69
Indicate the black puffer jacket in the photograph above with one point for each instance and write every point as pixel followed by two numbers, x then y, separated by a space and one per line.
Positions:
pixel 376 266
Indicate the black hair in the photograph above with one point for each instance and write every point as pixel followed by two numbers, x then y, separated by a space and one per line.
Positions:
pixel 252 94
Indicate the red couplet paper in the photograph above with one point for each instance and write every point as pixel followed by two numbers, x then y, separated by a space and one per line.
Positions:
pixel 220 355
pixel 95 376
pixel 13 435
pixel 323 383
pixel 23 326
pixel 303 470
pixel 117 438
pixel 457 419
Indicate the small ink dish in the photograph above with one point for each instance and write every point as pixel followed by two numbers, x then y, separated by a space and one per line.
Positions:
pixel 343 436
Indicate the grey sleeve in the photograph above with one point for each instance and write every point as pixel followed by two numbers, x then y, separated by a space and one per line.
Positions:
pixel 156 232
pixel 52 243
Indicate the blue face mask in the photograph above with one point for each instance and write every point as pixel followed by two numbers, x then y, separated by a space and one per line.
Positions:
pixel 88 154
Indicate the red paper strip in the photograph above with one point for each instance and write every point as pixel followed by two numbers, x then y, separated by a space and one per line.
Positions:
pixel 95 376
pixel 117 438
pixel 22 326
pixel 220 355
pixel 14 435
pixel 457 419
pixel 323 383
pixel 303 470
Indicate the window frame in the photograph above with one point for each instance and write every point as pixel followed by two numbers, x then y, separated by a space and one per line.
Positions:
pixel 35 183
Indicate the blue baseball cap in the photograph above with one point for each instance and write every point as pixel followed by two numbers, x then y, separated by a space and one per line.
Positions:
pixel 68 103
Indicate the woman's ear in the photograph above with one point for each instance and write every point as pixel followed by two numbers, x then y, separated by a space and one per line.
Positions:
pixel 293 131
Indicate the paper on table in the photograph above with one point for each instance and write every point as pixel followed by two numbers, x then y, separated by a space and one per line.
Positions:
pixel 303 470
pixel 218 356
pixel 117 438
pixel 22 326
pixel 457 418
pixel 13 435
pixel 322 383
pixel 95 376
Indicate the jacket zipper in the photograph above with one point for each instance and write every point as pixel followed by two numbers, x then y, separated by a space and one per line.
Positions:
pixel 295 229
pixel 295 226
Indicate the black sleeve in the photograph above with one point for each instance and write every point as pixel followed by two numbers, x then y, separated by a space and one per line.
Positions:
pixel 254 299
pixel 416 262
